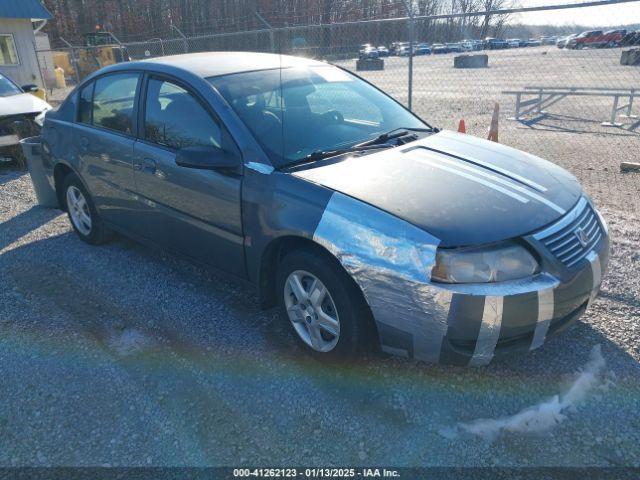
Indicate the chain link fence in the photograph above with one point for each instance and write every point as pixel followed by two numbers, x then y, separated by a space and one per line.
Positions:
pixel 562 94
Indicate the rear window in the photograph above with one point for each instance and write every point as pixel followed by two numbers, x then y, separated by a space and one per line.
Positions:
pixel 113 102
pixel 84 109
pixel 67 110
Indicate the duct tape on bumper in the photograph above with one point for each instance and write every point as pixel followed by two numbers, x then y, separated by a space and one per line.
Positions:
pixel 391 261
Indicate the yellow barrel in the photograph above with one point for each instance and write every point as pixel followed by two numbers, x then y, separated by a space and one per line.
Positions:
pixel 60 80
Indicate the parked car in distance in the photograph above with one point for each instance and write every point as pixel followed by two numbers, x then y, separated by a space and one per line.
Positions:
pixel 584 39
pixel 597 39
pixel 549 40
pixel 562 41
pixel 21 115
pixel 534 42
pixel 495 44
pixel 471 45
pixel 631 39
pixel 366 226
pixel 514 42
pixel 403 50
pixel 367 51
pixel 439 48
pixel 383 51
pixel 614 38
pixel 454 47
pixel 395 47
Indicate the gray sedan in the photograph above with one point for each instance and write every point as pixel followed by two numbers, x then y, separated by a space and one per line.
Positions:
pixel 365 225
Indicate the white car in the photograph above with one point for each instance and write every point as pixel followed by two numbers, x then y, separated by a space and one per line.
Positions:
pixel 513 42
pixel 19 112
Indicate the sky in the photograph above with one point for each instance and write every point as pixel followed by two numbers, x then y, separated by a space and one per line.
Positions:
pixel 621 14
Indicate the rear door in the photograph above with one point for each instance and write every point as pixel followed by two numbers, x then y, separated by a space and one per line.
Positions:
pixel 191 211
pixel 104 138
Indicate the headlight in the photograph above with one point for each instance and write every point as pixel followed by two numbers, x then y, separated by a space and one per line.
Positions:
pixel 497 263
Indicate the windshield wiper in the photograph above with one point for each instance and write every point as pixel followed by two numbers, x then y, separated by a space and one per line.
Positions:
pixel 391 134
pixel 323 154
pixel 378 143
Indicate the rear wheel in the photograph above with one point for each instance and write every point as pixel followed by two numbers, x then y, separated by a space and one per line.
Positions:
pixel 323 306
pixel 82 212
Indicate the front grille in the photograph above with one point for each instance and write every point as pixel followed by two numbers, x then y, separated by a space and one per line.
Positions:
pixel 574 236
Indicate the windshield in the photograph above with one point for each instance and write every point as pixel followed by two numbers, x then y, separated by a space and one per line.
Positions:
pixel 7 87
pixel 296 111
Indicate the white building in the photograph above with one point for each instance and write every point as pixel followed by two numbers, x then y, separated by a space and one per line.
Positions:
pixel 18 59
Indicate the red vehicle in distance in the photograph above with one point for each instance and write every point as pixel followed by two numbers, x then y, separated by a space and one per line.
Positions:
pixel 597 39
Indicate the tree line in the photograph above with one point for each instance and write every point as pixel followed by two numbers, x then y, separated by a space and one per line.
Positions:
pixel 143 20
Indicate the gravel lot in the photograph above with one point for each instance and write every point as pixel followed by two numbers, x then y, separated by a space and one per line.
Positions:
pixel 122 355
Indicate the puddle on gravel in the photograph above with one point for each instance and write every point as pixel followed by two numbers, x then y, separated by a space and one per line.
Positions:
pixel 543 416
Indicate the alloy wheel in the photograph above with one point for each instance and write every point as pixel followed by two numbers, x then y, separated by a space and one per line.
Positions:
pixel 312 311
pixel 79 210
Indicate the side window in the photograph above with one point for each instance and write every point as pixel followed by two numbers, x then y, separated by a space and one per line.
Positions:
pixel 113 102
pixel 175 118
pixel 84 109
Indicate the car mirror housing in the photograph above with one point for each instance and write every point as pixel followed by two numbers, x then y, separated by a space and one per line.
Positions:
pixel 206 158
pixel 29 88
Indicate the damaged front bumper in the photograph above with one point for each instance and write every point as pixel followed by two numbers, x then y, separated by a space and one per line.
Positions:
pixel 485 321
pixel 464 324
pixel 12 129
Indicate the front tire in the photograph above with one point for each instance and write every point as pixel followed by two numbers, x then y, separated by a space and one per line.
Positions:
pixel 323 306
pixel 82 212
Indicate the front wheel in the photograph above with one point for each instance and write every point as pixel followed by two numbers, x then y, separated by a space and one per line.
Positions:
pixel 82 212
pixel 323 306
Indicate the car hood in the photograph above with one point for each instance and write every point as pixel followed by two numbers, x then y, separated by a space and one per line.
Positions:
pixel 459 188
pixel 21 104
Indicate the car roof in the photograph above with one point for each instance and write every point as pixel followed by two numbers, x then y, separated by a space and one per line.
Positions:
pixel 211 64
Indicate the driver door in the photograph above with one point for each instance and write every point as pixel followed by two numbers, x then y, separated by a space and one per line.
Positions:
pixel 190 211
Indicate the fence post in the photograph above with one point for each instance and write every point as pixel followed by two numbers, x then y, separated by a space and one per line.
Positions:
pixel 408 4
pixel 268 25
pixel 185 42
pixel 74 60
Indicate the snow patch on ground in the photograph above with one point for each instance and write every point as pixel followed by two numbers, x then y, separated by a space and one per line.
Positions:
pixel 543 416
pixel 129 341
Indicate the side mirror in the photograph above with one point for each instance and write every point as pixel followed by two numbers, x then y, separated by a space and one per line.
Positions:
pixel 29 88
pixel 206 158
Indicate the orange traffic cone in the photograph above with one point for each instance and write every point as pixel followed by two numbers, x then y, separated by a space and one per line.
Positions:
pixel 493 129
pixel 462 128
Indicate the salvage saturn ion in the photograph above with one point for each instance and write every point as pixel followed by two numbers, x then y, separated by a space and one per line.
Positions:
pixel 366 225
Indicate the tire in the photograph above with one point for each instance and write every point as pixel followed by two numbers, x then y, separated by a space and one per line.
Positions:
pixel 356 331
pixel 93 232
